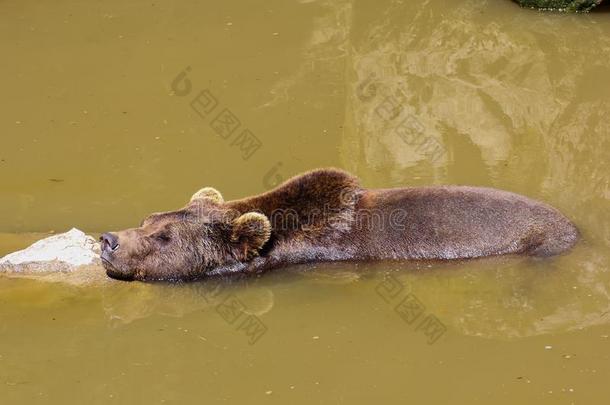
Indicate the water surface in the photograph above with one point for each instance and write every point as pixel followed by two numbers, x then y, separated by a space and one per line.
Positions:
pixel 94 135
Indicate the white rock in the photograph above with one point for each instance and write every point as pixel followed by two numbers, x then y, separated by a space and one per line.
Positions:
pixel 63 252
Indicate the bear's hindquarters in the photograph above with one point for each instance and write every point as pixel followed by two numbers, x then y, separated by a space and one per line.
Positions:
pixel 553 238
pixel 459 222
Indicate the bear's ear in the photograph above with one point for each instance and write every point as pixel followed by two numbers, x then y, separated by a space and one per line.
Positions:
pixel 251 231
pixel 209 193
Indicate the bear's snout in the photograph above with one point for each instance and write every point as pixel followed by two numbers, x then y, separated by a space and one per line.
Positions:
pixel 109 248
pixel 109 241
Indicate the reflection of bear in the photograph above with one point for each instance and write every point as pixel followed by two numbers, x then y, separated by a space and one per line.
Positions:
pixel 325 215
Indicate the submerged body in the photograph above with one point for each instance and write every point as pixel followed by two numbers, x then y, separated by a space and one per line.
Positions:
pixel 325 215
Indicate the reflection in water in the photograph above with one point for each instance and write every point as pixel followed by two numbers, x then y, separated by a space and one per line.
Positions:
pixel 324 51
pixel 125 302
pixel 502 86
pixel 128 302
pixel 505 297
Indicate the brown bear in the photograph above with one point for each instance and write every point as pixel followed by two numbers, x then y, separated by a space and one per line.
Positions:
pixel 325 215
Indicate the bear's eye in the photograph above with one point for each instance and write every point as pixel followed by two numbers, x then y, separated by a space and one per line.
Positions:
pixel 162 237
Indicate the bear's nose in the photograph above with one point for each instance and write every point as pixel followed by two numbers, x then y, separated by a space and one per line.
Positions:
pixel 109 240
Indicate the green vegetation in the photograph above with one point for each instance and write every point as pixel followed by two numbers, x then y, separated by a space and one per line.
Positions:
pixel 562 5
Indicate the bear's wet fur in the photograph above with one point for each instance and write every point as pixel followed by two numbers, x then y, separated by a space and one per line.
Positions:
pixel 325 215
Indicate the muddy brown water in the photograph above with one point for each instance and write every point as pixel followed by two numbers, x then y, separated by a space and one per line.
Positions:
pixel 94 135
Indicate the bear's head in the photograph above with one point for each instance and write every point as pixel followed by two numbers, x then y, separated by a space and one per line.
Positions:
pixel 186 244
